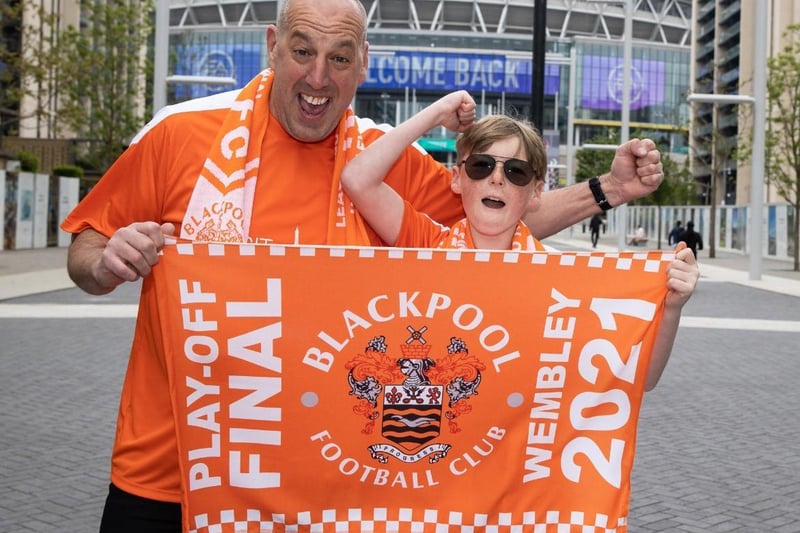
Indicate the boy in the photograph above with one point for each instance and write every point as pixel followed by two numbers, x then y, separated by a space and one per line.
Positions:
pixel 500 170
pixel 501 163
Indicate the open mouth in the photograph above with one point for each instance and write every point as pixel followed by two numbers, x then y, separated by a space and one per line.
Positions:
pixel 313 105
pixel 493 203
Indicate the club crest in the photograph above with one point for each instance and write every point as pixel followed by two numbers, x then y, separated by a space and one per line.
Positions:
pixel 414 395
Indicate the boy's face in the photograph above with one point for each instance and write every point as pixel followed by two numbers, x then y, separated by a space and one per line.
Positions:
pixel 494 205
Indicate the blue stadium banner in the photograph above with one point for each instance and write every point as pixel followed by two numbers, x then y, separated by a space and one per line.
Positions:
pixel 238 61
pixel 443 71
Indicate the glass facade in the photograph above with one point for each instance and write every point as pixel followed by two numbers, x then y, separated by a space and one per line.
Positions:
pixel 236 54
pixel 659 85
pixel 404 77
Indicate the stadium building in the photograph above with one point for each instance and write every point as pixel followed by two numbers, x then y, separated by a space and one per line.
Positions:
pixel 421 49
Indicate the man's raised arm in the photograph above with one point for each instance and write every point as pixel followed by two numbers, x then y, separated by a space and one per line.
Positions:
pixel 636 171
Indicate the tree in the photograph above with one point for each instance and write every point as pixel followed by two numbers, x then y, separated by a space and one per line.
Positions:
pixel 594 162
pixel 678 188
pixel 712 152
pixel 27 47
pixel 104 68
pixel 10 58
pixel 782 157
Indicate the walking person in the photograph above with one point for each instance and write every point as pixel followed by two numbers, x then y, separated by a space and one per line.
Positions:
pixel 675 233
pixel 594 226
pixel 692 239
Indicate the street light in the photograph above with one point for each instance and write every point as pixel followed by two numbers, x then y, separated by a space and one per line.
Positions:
pixel 209 80
pixel 759 136
pixel 720 98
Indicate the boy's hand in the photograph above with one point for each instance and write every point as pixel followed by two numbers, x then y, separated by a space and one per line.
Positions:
pixel 682 276
pixel 457 111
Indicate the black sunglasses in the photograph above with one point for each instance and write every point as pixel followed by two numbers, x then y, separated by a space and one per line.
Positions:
pixel 480 166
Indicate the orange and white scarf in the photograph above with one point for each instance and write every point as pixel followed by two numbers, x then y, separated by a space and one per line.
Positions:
pixel 221 205
pixel 460 236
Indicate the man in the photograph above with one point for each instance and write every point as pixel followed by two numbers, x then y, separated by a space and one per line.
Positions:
pixel 692 239
pixel 594 228
pixel 261 165
pixel 675 233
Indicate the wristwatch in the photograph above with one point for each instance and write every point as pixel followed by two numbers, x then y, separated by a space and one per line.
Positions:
pixel 599 196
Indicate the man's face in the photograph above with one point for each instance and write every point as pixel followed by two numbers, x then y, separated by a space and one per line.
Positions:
pixel 319 60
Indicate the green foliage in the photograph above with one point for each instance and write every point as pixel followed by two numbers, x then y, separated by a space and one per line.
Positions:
pixel 28 162
pixel 678 187
pixel 783 94
pixel 68 171
pixel 10 58
pixel 23 73
pixel 782 157
pixel 592 162
pixel 103 74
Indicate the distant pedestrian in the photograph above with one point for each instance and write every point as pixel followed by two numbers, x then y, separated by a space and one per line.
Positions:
pixel 675 234
pixel 594 226
pixel 692 239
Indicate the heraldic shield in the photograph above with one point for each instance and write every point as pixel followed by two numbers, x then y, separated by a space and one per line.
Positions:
pixel 412 414
pixel 412 410
pixel 419 394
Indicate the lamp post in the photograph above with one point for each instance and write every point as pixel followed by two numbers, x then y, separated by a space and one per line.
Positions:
pixel 160 55
pixel 759 137
pixel 622 210
pixel 538 63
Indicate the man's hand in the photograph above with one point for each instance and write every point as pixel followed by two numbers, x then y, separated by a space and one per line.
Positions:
pixel 133 250
pixel 636 171
pixel 98 264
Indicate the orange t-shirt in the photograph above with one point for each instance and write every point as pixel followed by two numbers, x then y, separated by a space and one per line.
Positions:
pixel 153 181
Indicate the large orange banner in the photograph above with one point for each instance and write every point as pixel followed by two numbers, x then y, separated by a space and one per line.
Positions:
pixel 371 389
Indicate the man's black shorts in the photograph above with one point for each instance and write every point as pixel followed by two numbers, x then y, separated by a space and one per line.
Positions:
pixel 127 513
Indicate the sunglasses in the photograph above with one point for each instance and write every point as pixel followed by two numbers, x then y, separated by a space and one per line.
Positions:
pixel 480 166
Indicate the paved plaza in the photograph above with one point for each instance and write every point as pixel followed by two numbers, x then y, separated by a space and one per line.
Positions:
pixel 719 438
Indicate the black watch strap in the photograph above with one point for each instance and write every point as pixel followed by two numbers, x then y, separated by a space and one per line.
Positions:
pixel 599 196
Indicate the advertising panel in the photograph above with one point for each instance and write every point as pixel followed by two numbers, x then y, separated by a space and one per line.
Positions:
pixel 603 81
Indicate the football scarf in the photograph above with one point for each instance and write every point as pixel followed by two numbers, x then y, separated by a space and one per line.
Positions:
pixel 222 201
pixel 460 237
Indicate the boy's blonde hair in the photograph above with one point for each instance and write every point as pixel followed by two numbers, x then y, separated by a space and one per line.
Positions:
pixel 492 128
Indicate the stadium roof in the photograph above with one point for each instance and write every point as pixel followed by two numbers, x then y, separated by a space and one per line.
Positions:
pixel 656 21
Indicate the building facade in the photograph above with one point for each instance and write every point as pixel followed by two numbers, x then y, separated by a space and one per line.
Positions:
pixel 420 49
pixel 723 49
pixel 27 30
